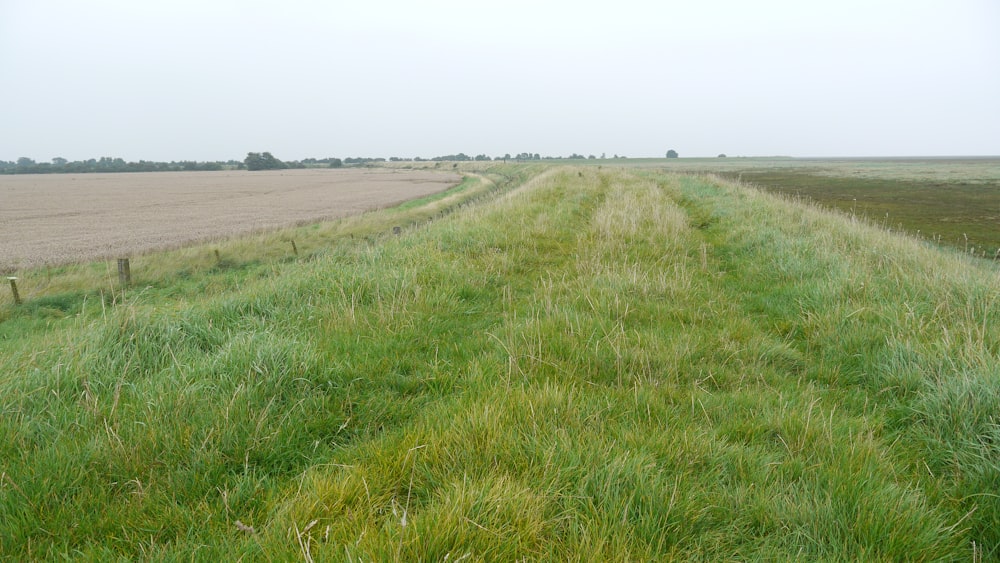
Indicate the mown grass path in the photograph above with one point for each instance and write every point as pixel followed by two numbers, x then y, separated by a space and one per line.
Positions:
pixel 601 364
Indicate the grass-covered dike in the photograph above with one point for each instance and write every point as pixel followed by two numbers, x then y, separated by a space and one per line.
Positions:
pixel 583 364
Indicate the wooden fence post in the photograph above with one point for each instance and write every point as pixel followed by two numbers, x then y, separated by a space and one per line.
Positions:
pixel 13 289
pixel 124 272
pixel 295 248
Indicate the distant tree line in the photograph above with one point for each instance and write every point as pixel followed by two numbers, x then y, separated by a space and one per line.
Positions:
pixel 253 161
pixel 462 157
pixel 267 161
pixel 60 165
pixel 328 162
pixel 361 160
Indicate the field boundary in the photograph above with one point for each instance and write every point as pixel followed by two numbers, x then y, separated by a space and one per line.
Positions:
pixel 301 241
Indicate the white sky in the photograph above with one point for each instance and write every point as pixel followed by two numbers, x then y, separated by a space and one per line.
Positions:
pixel 214 79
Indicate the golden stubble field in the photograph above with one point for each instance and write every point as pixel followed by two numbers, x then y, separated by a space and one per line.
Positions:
pixel 63 218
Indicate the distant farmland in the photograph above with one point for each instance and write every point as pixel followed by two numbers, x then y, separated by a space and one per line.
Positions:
pixel 951 201
pixel 55 219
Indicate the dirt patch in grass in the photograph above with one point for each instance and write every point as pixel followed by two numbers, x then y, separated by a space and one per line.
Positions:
pixel 65 218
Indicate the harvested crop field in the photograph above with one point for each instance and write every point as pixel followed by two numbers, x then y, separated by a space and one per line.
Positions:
pixel 63 218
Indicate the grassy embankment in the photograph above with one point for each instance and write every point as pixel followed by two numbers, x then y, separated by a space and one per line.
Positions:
pixel 602 364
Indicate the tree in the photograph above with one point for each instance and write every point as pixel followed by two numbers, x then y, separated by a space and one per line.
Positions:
pixel 263 161
pixel 461 157
pixel 672 153
pixel 722 155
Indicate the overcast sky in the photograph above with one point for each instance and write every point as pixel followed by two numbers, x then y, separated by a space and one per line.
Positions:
pixel 214 79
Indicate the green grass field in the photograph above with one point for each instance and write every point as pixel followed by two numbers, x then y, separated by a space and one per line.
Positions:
pixel 567 363
pixel 953 202
pixel 959 214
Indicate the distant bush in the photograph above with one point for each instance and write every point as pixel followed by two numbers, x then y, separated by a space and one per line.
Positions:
pixel 672 153
pixel 461 157
pixel 263 161
pixel 362 160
